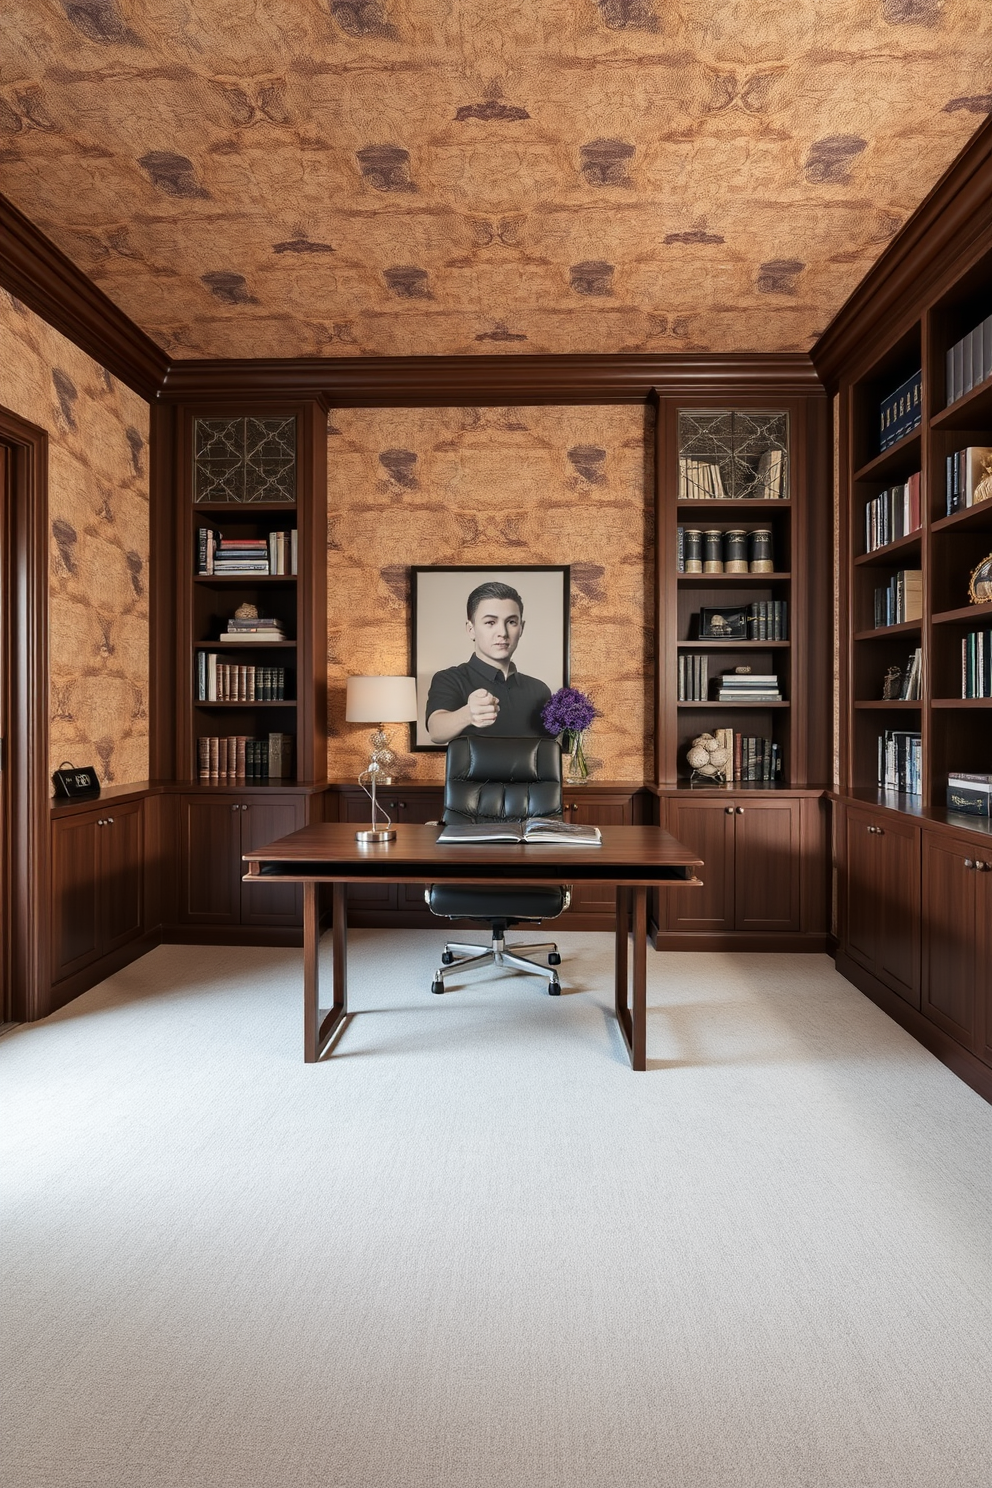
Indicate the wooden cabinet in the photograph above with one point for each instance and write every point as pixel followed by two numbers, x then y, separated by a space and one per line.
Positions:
pixel 762 873
pixel 390 904
pixel 214 832
pixel 600 810
pixel 97 885
pixel 957 939
pixel 880 892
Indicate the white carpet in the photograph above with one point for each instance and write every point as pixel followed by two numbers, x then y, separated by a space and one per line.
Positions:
pixel 474 1249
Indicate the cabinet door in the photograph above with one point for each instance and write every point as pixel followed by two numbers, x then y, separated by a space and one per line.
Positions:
pixel 983 889
pixel 417 808
pixel 861 889
pixel 122 876
pixel 210 890
pixel 263 819
pixel 708 828
pixel 75 893
pixel 950 937
pixel 355 806
pixel 766 865
pixel 897 903
pixel 596 811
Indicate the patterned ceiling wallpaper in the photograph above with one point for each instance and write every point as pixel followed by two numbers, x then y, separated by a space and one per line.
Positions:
pixel 98 543
pixel 364 177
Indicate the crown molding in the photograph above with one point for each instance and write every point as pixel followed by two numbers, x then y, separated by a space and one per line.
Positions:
pixel 42 278
pixel 479 381
pixel 950 226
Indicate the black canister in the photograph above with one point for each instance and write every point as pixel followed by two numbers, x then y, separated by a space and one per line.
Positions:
pixel 693 549
pixel 713 551
pixel 735 551
pixel 759 550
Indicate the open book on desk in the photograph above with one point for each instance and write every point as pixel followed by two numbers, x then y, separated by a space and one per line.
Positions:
pixel 536 829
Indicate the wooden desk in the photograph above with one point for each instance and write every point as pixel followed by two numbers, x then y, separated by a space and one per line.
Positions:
pixel 630 859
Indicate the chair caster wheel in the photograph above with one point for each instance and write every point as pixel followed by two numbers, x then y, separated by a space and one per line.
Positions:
pixel 554 988
pixel 447 957
pixel 553 958
pixel 437 986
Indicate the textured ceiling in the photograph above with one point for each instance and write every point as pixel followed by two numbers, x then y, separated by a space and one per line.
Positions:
pixel 315 177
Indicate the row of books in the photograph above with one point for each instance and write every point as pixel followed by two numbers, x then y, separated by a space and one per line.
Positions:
pixel 968 477
pixel 768 620
pixel 910 688
pixel 237 757
pixel 756 759
pixel 702 480
pixel 275 554
pixel 900 761
pixel 253 630
pixel 969 361
pixel 749 687
pixel 694 678
pixel 969 793
pixel 976 664
pixel 713 550
pixel 900 413
pixel 224 682
pixel 893 514
pixel 901 599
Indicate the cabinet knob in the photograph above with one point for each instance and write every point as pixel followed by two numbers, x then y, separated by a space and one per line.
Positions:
pixel 970 863
pixel 235 807
pixel 110 821
pixel 984 867
pixel 730 810
pixel 740 811
pixel 879 831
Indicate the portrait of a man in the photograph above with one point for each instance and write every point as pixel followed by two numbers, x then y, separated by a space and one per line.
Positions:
pixel 489 666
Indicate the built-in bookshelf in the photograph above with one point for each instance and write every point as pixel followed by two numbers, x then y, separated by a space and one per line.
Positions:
pixel 949 455
pixel 735 554
pixel 252 707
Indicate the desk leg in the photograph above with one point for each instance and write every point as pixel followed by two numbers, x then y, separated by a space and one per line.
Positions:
pixel 631 1007
pixel 319 1031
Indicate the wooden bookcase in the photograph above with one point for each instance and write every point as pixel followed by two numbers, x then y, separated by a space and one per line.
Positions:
pixel 956 732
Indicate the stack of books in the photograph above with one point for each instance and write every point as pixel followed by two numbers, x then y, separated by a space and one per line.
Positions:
pixel 693 679
pixel 259 629
pixel 893 514
pixel 700 480
pixel 969 793
pixel 749 687
pixel 969 361
pixel 911 689
pixel 237 757
pixel 967 469
pixel 901 599
pixel 222 682
pixel 275 554
pixel 768 620
pixel 900 413
pixel 976 664
pixel 900 759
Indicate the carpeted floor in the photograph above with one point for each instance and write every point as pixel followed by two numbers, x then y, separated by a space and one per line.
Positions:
pixel 473 1249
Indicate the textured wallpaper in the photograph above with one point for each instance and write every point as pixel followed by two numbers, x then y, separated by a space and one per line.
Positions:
pixel 98 522
pixel 494 486
pixel 359 177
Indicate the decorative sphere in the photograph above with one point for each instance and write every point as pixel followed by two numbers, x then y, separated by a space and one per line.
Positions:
pixel 698 757
pixel 719 757
pixel 700 741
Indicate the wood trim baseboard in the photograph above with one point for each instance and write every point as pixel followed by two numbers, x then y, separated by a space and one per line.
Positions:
pixel 43 278
pixel 967 1066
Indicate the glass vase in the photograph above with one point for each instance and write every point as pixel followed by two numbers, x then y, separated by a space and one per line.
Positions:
pixel 576 765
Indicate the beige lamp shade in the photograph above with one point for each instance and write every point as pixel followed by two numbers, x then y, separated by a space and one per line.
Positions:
pixel 381 700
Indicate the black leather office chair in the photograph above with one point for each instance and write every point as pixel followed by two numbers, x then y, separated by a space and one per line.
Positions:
pixel 494 780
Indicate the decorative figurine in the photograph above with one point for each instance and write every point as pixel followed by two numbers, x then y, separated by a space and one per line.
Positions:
pixel 708 759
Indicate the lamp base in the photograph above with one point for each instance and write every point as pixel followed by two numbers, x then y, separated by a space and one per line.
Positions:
pixel 377 834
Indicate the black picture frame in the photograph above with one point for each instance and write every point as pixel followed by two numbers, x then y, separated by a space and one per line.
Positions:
pixel 728 623
pixel 438 595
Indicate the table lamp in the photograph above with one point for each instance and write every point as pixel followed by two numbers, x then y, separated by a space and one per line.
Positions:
pixel 379 700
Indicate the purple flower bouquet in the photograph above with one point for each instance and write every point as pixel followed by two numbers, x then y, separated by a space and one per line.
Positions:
pixel 568 713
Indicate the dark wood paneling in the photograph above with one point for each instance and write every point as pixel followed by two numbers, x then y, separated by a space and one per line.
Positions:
pixel 122 878
pixel 210 852
pixel 480 381
pixel 599 811
pixel 708 828
pixel 898 893
pixel 860 889
pixel 75 894
pixel 766 859
pixel 950 938
pixel 264 821
pixel 49 283
pixel 984 916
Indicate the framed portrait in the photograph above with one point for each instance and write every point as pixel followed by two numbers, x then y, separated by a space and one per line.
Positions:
pixel 729 624
pixel 444 641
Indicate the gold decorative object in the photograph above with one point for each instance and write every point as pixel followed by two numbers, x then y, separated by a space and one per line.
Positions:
pixel 980 583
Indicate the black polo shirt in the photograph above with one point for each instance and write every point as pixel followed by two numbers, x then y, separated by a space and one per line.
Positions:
pixel 521 698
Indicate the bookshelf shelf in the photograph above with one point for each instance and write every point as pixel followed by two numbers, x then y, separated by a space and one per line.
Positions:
pixel 742 578
pixel 730 505
pixel 978 613
pixel 883 632
pixel 971 519
pixel 971 411
pixel 279 703
pixel 898 549
pixel 733 645
pixel 245 510
pixel 222 647
pixel 893 461
pixel 872 705
pixel 714 705
pixel 965 703
pixel 224 580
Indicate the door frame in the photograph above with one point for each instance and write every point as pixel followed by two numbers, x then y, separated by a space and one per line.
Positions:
pixel 24 779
